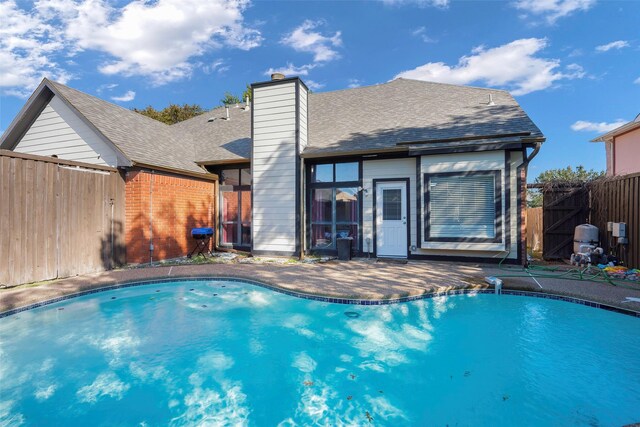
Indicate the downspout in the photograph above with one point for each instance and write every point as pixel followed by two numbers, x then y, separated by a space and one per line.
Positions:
pixel 525 166
pixel 112 261
pixel 151 219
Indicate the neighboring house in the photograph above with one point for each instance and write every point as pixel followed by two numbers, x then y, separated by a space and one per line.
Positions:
pixel 407 169
pixel 622 146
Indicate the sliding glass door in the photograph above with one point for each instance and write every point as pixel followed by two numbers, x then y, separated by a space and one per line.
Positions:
pixel 235 208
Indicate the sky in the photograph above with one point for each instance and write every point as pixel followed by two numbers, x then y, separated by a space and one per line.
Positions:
pixel 573 65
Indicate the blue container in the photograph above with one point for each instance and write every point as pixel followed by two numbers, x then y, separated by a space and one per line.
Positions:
pixel 201 233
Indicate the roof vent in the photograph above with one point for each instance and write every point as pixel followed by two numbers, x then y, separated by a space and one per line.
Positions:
pixel 277 76
pixel 491 103
pixel 247 104
pixel 226 109
pixel 210 119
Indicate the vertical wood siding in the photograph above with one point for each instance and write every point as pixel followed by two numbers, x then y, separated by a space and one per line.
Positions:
pixel 618 200
pixel 56 219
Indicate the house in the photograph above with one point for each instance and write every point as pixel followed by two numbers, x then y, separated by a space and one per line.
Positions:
pixel 622 146
pixel 406 169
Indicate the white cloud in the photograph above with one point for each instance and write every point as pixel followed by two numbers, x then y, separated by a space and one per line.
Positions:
pixel 419 3
pixel 421 32
pixel 129 96
pixel 26 45
pixel 552 10
pixel 618 44
pixel 305 39
pixel 313 85
pixel 354 83
pixel 292 70
pixel 218 66
pixel 158 39
pixel 513 66
pixel 602 127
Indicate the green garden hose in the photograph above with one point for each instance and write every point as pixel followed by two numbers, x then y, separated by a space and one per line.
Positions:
pixel 586 274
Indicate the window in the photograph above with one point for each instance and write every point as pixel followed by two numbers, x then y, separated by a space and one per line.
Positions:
pixel 335 204
pixel 335 172
pixel 463 206
pixel 392 204
pixel 235 203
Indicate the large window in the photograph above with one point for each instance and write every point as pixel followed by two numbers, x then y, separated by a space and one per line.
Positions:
pixel 335 204
pixel 463 207
pixel 235 203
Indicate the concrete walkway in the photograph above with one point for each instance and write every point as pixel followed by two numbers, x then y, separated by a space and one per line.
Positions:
pixel 362 279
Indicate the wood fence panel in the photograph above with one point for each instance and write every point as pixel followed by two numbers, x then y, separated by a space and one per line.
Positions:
pixel 534 229
pixel 564 208
pixel 56 218
pixel 618 200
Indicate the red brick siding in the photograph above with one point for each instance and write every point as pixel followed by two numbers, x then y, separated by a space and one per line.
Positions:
pixel 179 204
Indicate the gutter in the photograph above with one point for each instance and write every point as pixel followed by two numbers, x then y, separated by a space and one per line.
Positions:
pixel 318 155
pixel 206 177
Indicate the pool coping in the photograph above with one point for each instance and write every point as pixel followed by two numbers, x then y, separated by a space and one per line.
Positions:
pixel 329 299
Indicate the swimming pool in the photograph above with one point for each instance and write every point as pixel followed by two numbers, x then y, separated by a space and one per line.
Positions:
pixel 230 353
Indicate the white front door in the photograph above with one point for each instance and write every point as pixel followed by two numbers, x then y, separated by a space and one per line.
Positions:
pixel 391 219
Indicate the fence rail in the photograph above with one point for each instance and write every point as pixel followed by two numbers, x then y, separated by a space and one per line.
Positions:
pixel 58 218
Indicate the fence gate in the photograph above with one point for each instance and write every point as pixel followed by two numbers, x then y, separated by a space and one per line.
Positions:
pixel 564 208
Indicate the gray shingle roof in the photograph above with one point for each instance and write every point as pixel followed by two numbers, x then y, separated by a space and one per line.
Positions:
pixel 140 138
pixel 367 119
pixel 220 140
pixel 373 118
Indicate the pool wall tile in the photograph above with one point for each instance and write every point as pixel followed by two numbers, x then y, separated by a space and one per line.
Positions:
pixel 345 301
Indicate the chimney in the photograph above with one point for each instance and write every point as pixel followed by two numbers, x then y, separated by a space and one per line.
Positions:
pixel 278 138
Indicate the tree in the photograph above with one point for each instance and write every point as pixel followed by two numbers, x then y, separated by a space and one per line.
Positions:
pixel 173 113
pixel 247 93
pixel 560 176
pixel 580 174
pixel 230 99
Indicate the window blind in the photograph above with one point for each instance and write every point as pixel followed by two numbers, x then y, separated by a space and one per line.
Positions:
pixel 462 206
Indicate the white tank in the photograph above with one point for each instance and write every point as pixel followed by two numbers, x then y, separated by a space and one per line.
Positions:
pixel 585 234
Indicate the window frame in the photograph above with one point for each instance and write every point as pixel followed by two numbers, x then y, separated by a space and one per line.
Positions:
pixel 497 201
pixel 334 186
pixel 238 189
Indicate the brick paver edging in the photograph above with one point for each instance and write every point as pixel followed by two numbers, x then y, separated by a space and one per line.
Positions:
pixel 349 301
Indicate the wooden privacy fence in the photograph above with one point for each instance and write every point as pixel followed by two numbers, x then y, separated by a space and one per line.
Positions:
pixel 618 200
pixel 58 218
pixel 534 229
pixel 564 208
pixel 598 202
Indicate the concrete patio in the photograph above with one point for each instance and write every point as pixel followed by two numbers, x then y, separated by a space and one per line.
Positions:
pixel 361 279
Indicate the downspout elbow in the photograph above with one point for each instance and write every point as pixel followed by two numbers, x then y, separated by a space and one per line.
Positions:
pixel 534 153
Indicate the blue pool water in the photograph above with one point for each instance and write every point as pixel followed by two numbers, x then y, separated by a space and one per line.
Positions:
pixel 229 353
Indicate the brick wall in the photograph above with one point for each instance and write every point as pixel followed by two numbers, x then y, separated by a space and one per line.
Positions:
pixel 162 209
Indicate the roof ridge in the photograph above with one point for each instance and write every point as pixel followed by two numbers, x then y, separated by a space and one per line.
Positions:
pixel 451 84
pixel 397 79
pixel 57 85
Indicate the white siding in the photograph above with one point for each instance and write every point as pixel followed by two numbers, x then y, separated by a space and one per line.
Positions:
pixel 466 162
pixel 303 118
pixel 274 168
pixel 59 131
pixel 387 169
